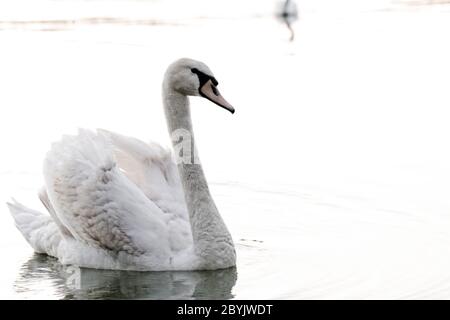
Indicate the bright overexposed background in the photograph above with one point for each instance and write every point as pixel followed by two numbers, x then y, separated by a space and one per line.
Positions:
pixel 333 175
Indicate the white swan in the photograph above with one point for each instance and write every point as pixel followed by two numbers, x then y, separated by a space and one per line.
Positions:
pixel 118 203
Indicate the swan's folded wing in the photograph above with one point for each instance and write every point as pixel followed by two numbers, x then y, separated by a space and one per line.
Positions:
pixel 43 196
pixel 152 169
pixel 98 204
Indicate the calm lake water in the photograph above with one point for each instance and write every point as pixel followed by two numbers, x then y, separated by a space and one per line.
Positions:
pixel 333 176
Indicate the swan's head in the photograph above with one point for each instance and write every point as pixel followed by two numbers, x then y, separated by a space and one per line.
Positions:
pixel 194 78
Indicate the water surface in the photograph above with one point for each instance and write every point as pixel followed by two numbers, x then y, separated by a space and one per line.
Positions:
pixel 333 176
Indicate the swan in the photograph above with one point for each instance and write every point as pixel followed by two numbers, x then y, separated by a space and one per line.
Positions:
pixel 115 202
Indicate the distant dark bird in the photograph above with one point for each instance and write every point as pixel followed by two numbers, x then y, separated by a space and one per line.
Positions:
pixel 287 12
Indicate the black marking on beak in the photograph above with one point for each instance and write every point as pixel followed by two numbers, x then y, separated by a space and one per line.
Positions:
pixel 214 90
pixel 209 90
pixel 203 77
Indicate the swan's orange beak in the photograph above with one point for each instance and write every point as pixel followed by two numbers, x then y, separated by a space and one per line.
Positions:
pixel 210 92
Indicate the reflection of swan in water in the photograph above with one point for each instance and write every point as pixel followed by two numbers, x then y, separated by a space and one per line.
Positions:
pixel 80 283
pixel 288 13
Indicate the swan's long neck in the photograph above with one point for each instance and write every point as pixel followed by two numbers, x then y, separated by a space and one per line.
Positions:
pixel 212 241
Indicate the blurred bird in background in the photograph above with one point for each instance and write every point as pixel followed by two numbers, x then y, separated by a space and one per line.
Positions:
pixel 287 12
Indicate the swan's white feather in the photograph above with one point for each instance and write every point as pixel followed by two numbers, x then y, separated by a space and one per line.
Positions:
pixel 103 219
pixel 151 168
pixel 38 229
pixel 43 196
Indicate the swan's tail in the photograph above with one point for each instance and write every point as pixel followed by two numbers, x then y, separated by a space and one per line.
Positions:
pixel 39 229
